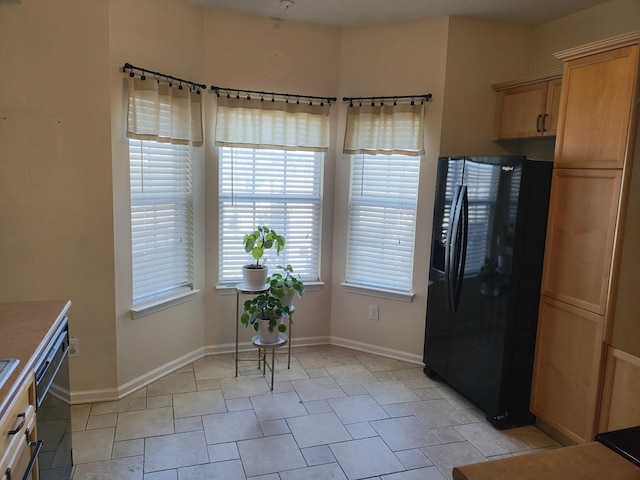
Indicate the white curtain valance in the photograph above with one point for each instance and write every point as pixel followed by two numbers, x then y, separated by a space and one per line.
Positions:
pixel 157 111
pixel 385 129
pixel 263 123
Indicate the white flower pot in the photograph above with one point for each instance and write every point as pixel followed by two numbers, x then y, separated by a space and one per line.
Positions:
pixel 267 336
pixel 287 300
pixel 254 278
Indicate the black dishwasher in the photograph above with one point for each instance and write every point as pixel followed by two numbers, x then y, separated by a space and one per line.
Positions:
pixel 53 407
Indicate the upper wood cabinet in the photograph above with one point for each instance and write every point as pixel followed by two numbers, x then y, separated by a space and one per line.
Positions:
pixel 528 107
pixel 595 112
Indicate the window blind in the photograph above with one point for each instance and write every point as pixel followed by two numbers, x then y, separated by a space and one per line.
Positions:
pixel 280 189
pixel 161 219
pixel 382 216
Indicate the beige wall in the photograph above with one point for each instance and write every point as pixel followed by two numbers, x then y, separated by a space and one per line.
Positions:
pixel 479 54
pixel 456 59
pixel 398 59
pixel 56 218
pixel 64 227
pixel 602 21
pixel 165 36
pixel 267 55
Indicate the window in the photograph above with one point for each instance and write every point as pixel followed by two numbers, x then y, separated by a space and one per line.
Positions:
pixel 161 219
pixel 277 188
pixel 382 217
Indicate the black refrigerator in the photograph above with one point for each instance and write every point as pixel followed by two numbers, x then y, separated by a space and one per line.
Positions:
pixel 489 228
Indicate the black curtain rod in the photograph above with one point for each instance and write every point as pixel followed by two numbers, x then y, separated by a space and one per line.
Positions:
pixel 425 97
pixel 262 95
pixel 158 75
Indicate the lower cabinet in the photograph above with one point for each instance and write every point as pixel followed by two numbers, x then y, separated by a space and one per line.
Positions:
pixel 566 374
pixel 620 392
pixel 18 437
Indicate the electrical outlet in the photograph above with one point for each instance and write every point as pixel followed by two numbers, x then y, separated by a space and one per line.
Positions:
pixel 74 347
pixel 373 312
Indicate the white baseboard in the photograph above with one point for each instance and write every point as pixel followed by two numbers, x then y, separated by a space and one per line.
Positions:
pixel 150 377
pixel 111 394
pixel 91 396
pixel 382 351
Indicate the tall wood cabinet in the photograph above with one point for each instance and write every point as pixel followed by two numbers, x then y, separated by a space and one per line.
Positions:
pixel 592 166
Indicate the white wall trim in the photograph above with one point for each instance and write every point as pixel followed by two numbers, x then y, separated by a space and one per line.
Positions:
pixel 90 396
pixel 150 377
pixel 112 394
pixel 382 351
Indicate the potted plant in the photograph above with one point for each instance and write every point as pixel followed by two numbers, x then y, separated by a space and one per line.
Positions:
pixel 489 277
pixel 262 238
pixel 505 248
pixel 264 312
pixel 285 285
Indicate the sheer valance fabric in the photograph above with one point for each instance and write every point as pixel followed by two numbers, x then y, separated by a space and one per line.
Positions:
pixel 262 123
pixel 169 114
pixel 385 129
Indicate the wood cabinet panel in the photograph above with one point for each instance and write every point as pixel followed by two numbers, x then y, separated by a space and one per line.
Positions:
pixel 550 123
pixel 580 233
pixel 520 111
pixel 620 392
pixel 566 370
pixel 596 107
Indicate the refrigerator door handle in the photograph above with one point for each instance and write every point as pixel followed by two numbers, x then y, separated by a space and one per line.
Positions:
pixel 461 248
pixel 451 249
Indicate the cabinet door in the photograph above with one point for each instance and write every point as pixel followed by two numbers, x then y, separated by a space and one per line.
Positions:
pixel 583 213
pixel 520 111
pixel 550 121
pixel 620 393
pixel 595 110
pixel 567 368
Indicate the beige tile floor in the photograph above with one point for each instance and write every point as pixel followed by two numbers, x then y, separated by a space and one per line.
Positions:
pixel 335 414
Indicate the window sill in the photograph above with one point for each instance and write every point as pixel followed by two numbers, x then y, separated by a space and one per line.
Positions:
pixel 231 289
pixel 151 307
pixel 406 297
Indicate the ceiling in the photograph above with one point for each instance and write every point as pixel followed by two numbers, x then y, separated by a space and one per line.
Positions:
pixel 348 13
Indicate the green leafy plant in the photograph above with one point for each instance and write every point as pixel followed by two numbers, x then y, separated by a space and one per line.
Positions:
pixel 489 271
pixel 284 283
pixel 261 239
pixel 506 238
pixel 264 307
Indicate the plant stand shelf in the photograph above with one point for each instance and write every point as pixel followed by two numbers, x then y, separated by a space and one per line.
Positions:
pixel 262 353
pixel 242 289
